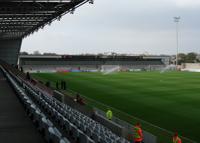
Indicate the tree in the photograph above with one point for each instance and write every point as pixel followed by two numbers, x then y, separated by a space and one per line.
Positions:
pixel 49 54
pixel 36 53
pixel 23 53
pixel 198 58
pixel 181 58
pixel 191 57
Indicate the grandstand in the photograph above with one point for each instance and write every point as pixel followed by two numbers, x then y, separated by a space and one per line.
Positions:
pixel 57 122
pixel 42 63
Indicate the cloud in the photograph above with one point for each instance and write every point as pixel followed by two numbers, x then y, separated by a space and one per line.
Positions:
pixel 188 3
pixel 124 27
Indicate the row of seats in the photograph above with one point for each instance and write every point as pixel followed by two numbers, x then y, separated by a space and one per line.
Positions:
pixel 43 124
pixel 74 132
pixel 64 114
pixel 81 127
pixel 89 63
pixel 51 109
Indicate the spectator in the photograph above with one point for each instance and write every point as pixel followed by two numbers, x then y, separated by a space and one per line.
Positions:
pixel 16 66
pixel 21 69
pixel 48 84
pixel 64 85
pixel 93 114
pixel 138 135
pixel 176 138
pixel 77 97
pixel 57 85
pixel 109 114
pixel 28 77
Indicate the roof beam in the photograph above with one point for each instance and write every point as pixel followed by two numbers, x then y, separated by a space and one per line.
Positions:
pixel 23 17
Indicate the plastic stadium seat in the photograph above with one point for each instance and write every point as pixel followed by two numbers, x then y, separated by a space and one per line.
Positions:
pixel 74 131
pixel 54 135
pixel 96 137
pixel 77 123
pixel 27 106
pixel 109 140
pixel 83 128
pixel 53 113
pixel 68 115
pixel 90 140
pixel 48 122
pixel 88 131
pixel 44 124
pixel 37 116
pixel 83 138
pixel 67 126
pixel 62 122
pixel 32 110
pixel 72 119
pixel 58 118
pixel 64 140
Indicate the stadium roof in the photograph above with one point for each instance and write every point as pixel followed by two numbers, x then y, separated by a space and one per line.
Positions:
pixel 40 56
pixel 20 18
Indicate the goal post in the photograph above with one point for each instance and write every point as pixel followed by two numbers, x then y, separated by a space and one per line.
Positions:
pixel 107 69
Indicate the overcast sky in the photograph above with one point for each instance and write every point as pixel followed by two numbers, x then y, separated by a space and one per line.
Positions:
pixel 122 26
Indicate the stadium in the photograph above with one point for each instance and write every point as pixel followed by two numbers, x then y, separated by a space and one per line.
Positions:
pixel 66 98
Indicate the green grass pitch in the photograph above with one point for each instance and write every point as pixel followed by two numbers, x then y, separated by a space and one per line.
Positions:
pixel 170 100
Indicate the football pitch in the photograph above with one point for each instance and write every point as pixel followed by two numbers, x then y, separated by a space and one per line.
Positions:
pixel 170 100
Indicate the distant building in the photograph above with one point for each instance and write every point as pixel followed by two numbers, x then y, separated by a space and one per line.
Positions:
pixel 165 59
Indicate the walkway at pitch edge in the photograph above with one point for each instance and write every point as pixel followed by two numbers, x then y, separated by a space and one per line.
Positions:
pixel 15 126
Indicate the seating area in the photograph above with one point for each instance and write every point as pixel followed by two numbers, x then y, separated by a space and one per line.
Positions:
pixel 31 63
pixel 57 122
pixel 58 68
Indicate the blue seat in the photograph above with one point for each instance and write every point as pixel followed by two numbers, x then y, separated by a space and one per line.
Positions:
pixel 95 137
pixel 83 138
pixel 74 131
pixel 54 135
pixel 44 124
pixel 64 140
pixel 67 126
